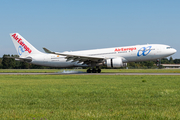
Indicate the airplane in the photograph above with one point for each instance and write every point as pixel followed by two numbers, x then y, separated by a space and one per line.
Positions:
pixel 111 57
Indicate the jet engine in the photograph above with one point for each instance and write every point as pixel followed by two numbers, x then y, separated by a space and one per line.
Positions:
pixel 115 63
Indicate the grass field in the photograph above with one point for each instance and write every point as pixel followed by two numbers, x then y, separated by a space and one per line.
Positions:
pixel 84 70
pixel 42 97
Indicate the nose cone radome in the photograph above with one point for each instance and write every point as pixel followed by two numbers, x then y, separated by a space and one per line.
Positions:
pixel 174 51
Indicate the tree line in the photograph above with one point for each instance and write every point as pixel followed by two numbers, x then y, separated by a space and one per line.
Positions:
pixel 11 63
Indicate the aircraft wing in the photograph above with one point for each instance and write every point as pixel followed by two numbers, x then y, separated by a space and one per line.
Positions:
pixel 77 58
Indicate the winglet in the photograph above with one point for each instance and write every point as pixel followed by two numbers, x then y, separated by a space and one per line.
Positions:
pixel 47 51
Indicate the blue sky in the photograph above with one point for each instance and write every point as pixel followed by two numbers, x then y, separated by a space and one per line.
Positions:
pixel 70 25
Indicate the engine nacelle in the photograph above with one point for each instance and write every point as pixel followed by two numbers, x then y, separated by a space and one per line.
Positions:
pixel 115 63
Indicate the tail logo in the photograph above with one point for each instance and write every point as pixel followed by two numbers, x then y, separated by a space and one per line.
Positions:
pixel 20 50
pixel 22 45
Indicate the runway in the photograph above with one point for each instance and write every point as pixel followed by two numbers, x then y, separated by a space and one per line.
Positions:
pixel 89 73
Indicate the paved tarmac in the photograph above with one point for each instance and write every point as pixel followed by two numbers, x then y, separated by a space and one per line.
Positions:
pixel 89 73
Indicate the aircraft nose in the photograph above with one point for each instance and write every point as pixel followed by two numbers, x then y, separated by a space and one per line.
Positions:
pixel 175 50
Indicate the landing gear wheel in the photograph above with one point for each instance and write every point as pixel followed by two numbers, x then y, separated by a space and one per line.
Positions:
pixel 99 70
pixel 89 70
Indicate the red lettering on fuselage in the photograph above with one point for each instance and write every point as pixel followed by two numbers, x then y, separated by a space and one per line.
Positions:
pixel 125 49
pixel 19 40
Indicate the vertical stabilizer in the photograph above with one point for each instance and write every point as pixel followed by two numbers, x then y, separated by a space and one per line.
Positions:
pixel 23 47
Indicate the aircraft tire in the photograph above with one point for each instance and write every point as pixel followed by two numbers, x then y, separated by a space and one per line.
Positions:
pixel 99 70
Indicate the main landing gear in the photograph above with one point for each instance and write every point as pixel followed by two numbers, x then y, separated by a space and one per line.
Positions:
pixel 158 63
pixel 94 70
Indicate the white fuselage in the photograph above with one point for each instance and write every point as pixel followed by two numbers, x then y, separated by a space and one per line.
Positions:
pixel 128 53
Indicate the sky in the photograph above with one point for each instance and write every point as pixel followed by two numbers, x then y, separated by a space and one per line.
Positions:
pixel 71 25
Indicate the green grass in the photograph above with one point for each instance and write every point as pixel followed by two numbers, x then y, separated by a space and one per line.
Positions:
pixel 89 97
pixel 84 70
pixel 140 70
pixel 28 70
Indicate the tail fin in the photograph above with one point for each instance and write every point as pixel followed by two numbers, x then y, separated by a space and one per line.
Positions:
pixel 23 47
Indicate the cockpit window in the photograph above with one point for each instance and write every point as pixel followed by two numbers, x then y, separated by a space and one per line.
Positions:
pixel 169 48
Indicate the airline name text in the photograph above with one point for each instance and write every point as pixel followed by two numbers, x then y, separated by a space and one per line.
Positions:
pixel 125 49
pixel 19 40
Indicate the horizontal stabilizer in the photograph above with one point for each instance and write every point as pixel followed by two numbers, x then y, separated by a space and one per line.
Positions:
pixel 28 59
